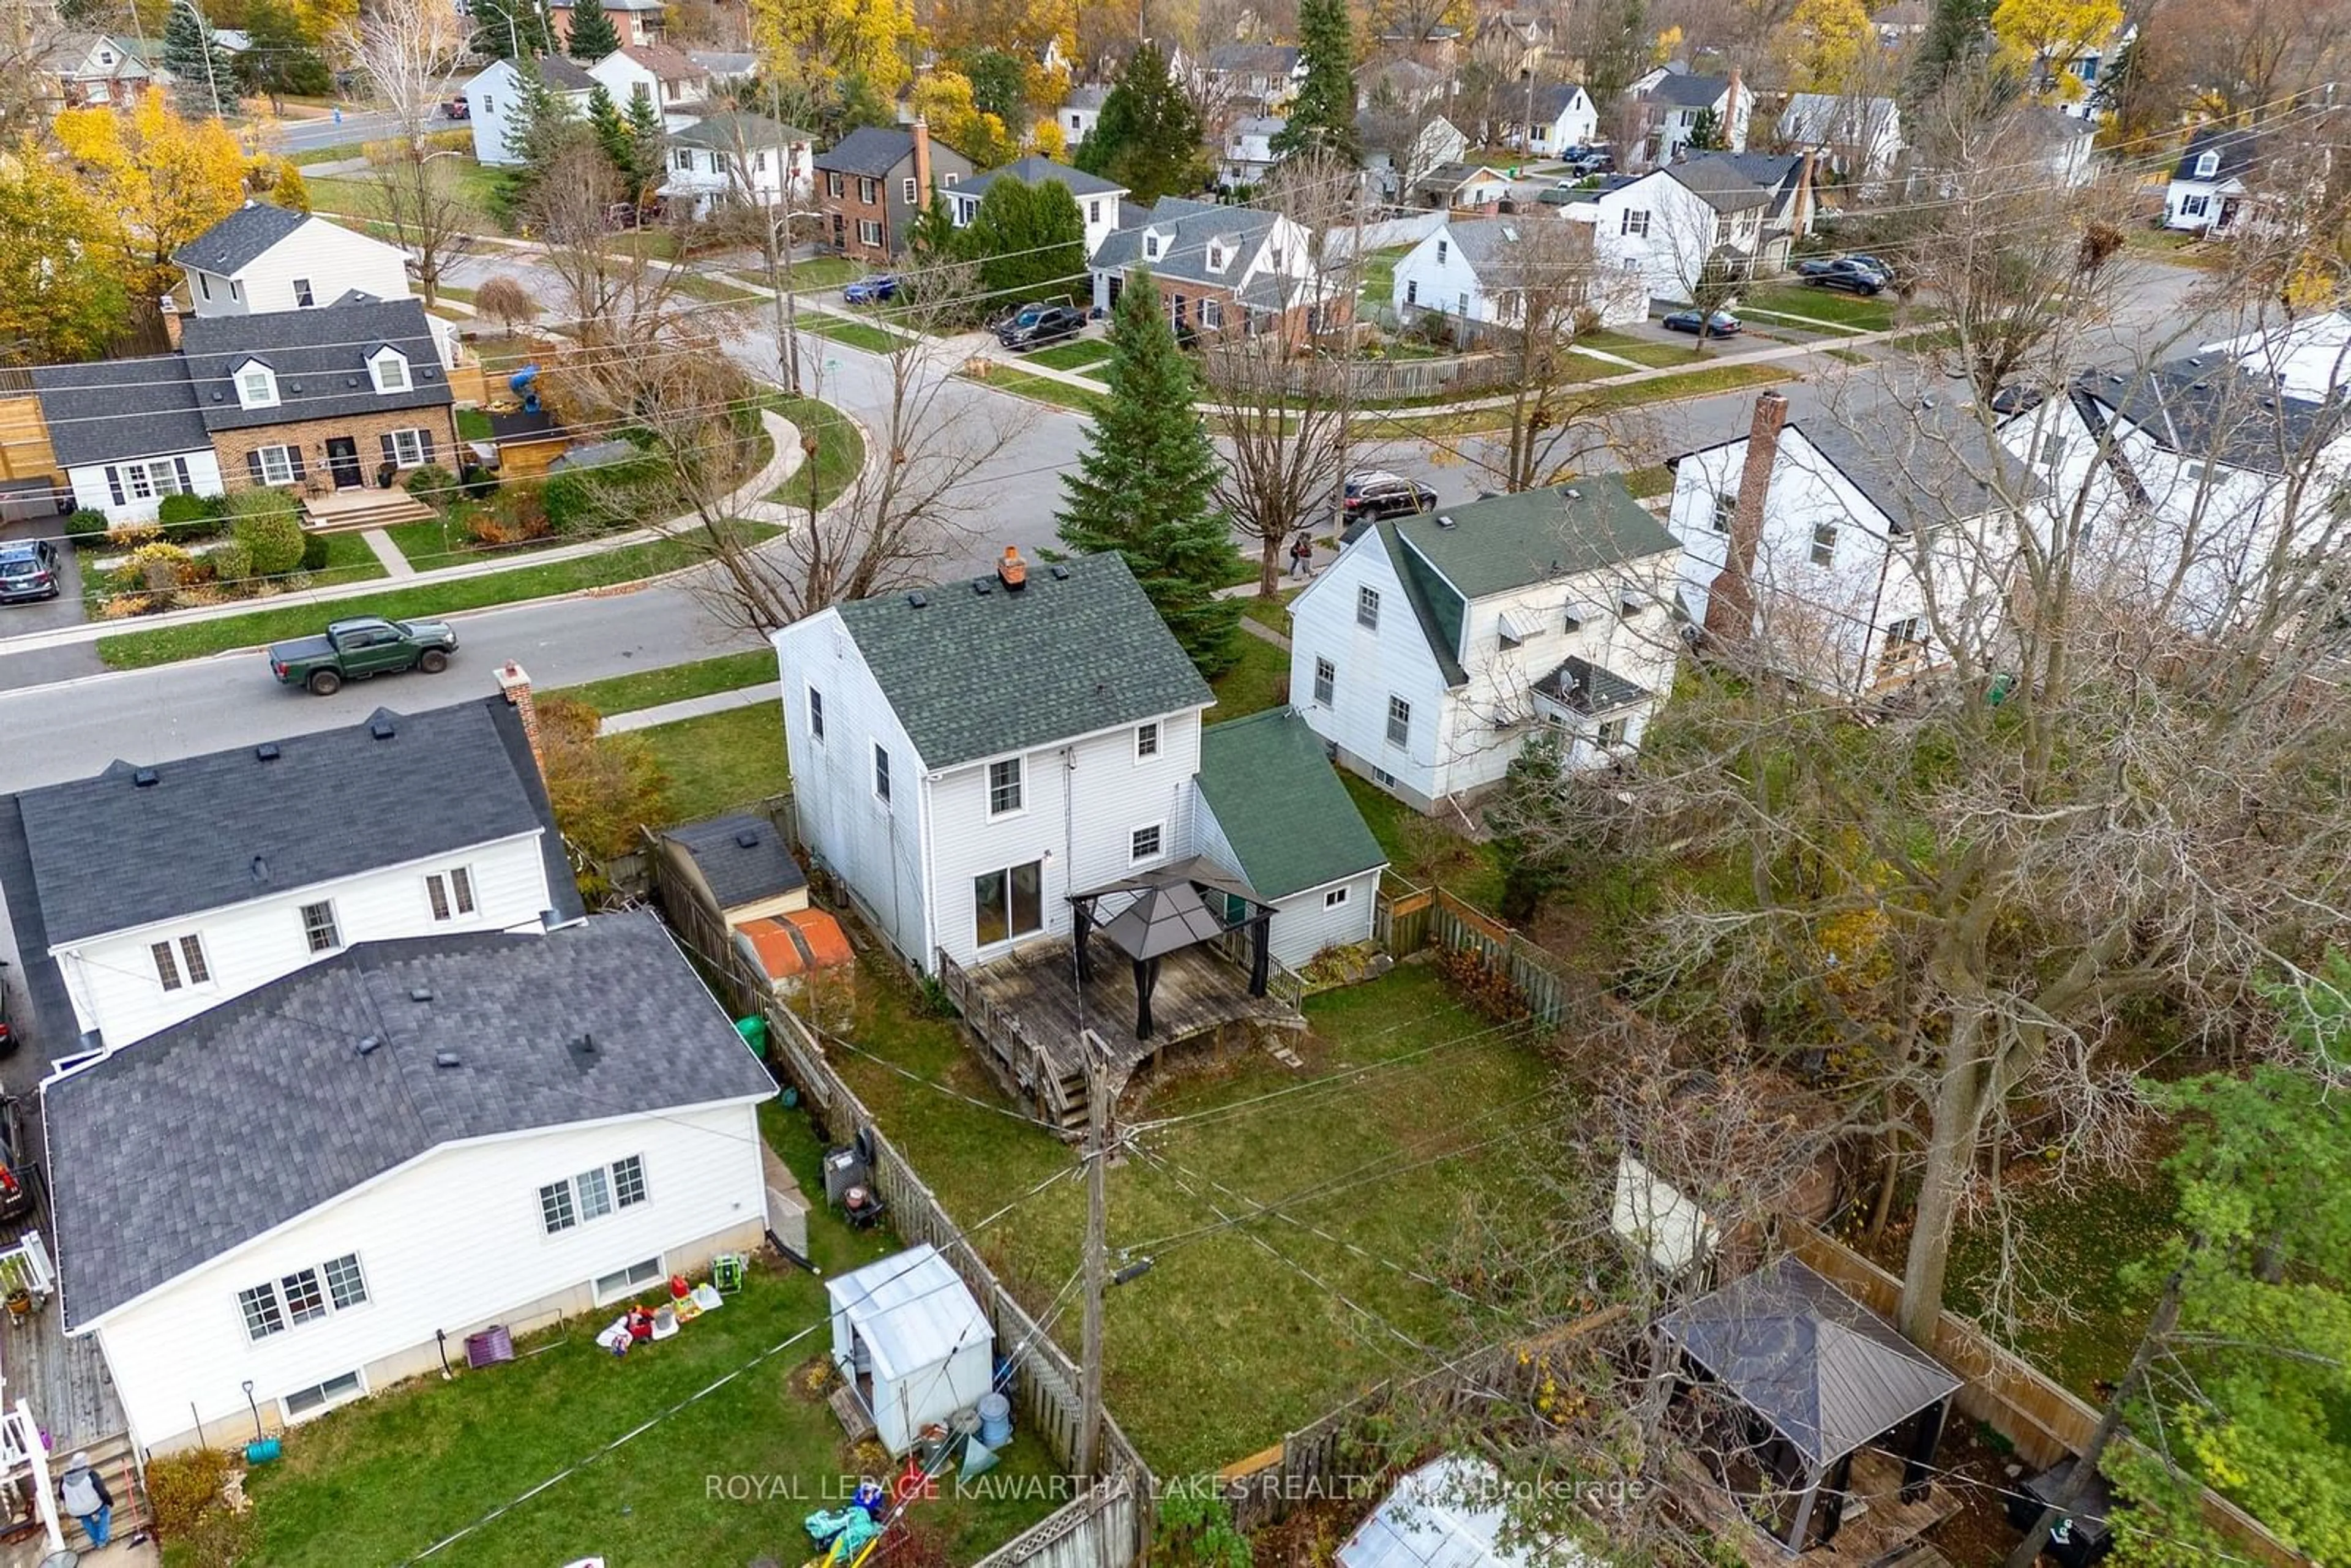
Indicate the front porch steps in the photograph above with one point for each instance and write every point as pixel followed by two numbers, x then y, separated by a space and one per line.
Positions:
pixel 341 511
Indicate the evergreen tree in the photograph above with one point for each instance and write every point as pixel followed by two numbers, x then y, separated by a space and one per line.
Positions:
pixel 1029 242
pixel 539 123
pixel 1148 138
pixel 204 74
pixel 1323 118
pixel 612 133
pixel 1146 485
pixel 283 58
pixel 1958 31
pixel 999 85
pixel 1706 134
pixel 503 27
pixel 648 145
pixel 592 34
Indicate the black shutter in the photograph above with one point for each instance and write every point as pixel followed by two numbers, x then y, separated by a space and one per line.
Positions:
pixel 426 436
pixel 114 482
pixel 181 465
pixel 253 466
pixel 294 459
pixel 391 453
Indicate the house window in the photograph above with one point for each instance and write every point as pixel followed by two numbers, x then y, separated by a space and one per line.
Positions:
pixel 759 162
pixel 1151 247
pixel 257 388
pixel 2193 473
pixel 408 448
pixel 1334 898
pixel 625 1282
pixel 722 163
pixel 319 1396
pixel 205 284
pixel 1212 313
pixel 2053 450
pixel 881 775
pixel 816 715
pixel 1144 844
pixel 1367 608
pixel 909 192
pixel 1093 212
pixel 1635 223
pixel 868 191
pixel 181 964
pixel 591 1195
pixel 319 928
pixel 2208 164
pixel 1726 506
pixel 276 464
pixel 306 1299
pixel 1612 732
pixel 145 481
pixel 1004 787
pixel 1412 291
pixel 1146 741
pixel 489 105
pixel 304 1296
pixel 832 184
pixel 1008 904
pixel 869 232
pixel 2195 206
pixel 346 1285
pixel 1904 636
pixel 302 301
pixel 262 1316
pixel 1824 544
pixel 1461 305
pixel 683 160
pixel 451 893
pixel 1326 681
pixel 950 180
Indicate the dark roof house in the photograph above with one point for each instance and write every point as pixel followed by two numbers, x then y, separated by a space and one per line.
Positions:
pixel 319 358
pixel 1183 230
pixel 2208 407
pixel 239 238
pixel 2235 153
pixel 870 150
pixel 120 409
pixel 743 860
pixel 1034 169
pixel 1290 822
pixel 1682 90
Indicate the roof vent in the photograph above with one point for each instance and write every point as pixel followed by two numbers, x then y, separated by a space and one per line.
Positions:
pixel 983 585
pixel 748 838
pixel 2113 380
pixel 1060 573
pixel 1444 519
pixel 381 726
pixel 2195 362
pixel 145 778
pixel 368 1043
pixel 917 600
pixel 267 752
pixel 260 868
pixel 420 993
pixel 294 386
pixel 583 1045
pixel 447 1058
pixel 350 380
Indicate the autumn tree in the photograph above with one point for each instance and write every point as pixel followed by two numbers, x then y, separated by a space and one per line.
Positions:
pixel 2041 38
pixel 593 34
pixel 1146 485
pixel 944 99
pixel 1322 117
pixel 1148 137
pixel 505 300
pixel 408 51
pixel 61 297
pixel 603 788
pixel 282 59
pixel 1826 46
pixel 820 45
pixel 156 180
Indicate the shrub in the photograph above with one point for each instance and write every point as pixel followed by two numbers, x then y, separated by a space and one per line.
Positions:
pixel 1483 987
pixel 314 552
pixel 580 498
pixel 182 1486
pixel 178 510
pixel 130 536
pixel 268 523
pixel 601 790
pixel 231 562
pixel 433 485
pixel 158 568
pixel 479 483
pixel 84 526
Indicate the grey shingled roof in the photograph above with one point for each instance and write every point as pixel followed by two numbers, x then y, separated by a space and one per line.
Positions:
pixel 2239 150
pixel 119 409
pixel 1267 60
pixel 742 857
pixel 973 674
pixel 1085 98
pixel 1828 1373
pixel 1554 100
pixel 870 150
pixel 107 853
pixel 1684 91
pixel 1720 185
pixel 1506 543
pixel 169 1153
pixel 52 1028
pixel 561 72
pixel 2207 406
pixel 1591 689
pixel 1290 823
pixel 320 358
pixel 239 238
pixel 1186 227
pixel 731 127
pixel 1920 460
pixel 1036 171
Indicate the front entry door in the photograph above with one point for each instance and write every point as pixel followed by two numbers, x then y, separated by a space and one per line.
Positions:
pixel 343 462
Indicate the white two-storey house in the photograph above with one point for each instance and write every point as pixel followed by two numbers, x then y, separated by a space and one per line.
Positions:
pixel 1435 644
pixel 152 894
pixel 1479 269
pixel 493 98
pixel 261 258
pixel 1871 542
pixel 735 157
pixel 1097 199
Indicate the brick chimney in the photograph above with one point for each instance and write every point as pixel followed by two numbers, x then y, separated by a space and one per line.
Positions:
pixel 1011 571
pixel 1732 138
pixel 514 681
pixel 923 161
pixel 1730 601
pixel 171 309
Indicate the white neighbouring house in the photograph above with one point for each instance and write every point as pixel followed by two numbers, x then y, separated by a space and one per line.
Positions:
pixel 1249 155
pixel 665 77
pixel 1435 644
pixel 967 756
pixel 1663 226
pixel 493 95
pixel 1852 135
pixel 1398 151
pixel 1864 541
pixel 732 156
pixel 2208 190
pixel 149 895
pixel 1473 270
pixel 1079 114
pixel 2309 358
pixel 297 1192
pixel 261 258
pixel 1564 118
pixel 1672 104
pixel 1097 199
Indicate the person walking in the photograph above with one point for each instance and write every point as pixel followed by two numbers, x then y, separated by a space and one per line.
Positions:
pixel 83 1491
pixel 1302 555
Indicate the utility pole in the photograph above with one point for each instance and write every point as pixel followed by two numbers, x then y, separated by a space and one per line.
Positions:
pixel 1097 1254
pixel 779 275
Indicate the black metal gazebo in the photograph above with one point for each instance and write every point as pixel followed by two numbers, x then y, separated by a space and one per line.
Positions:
pixel 1168 912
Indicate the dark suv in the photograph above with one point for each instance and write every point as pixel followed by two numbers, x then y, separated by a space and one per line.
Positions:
pixel 1379 494
pixel 28 569
pixel 1037 325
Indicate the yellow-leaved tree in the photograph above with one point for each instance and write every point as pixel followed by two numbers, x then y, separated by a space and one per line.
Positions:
pixel 1050 140
pixel 2043 36
pixel 1824 45
pixel 156 179
pixel 59 295
pixel 814 45
pixel 944 98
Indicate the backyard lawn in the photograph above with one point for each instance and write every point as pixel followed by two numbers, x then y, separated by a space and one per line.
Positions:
pixel 1640 350
pixel 1258 681
pixel 1074 356
pixel 1240 1334
pixel 722 761
pixel 381 1479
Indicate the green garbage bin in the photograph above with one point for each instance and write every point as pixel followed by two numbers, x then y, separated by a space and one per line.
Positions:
pixel 754 1030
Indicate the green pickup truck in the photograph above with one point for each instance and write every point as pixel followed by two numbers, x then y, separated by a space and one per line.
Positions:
pixel 353 649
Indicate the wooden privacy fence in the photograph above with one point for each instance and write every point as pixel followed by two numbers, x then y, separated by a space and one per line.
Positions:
pixel 1096 1528
pixel 1406 918
pixel 2044 1421
pixel 1367 380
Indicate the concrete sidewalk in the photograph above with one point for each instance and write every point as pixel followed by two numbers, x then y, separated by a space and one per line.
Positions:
pixel 692 707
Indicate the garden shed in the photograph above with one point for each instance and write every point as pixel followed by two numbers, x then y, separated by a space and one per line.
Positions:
pixel 909 1337
pixel 1452 1513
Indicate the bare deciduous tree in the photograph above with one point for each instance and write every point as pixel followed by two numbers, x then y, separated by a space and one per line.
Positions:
pixel 409 51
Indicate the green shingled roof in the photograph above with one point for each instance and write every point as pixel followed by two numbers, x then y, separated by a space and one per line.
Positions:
pixel 1280 804
pixel 1511 541
pixel 974 675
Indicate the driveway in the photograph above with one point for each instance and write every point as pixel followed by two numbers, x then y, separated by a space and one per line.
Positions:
pixel 64 610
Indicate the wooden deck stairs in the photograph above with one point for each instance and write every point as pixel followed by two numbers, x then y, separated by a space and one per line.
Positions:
pixel 340 511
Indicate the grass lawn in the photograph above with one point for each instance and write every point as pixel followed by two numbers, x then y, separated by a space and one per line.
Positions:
pixel 1259 680
pixel 705 287
pixel 675 683
pixel 1074 356
pixel 723 761
pixel 358 196
pixel 817 271
pixel 1850 311
pixel 163 645
pixel 1224 1346
pixel 1379 272
pixel 1640 350
pixel 862 335
pixel 1704 381
pixel 1042 389
pixel 1423 850
pixel 840 451
pixel 1273 612
pixel 473 424
pixel 2176 246
pixel 1657 479
pixel 381 1480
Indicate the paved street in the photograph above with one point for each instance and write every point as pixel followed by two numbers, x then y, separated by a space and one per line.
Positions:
pixel 356 126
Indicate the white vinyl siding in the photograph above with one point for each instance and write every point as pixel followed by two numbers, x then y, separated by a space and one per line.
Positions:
pixel 314 266
pixel 596 1193
pixel 1307 921
pixel 319 930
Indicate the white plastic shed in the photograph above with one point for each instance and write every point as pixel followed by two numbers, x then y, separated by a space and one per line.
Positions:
pixel 1450 1513
pixel 907 1333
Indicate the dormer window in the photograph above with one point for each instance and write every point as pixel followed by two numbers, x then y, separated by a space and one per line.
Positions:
pixel 390 368
pixel 1151 247
pixel 1440 252
pixel 256 385
pixel 2208 164
pixel 1215 256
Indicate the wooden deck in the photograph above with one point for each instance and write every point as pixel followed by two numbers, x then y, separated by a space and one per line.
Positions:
pixel 1027 1012
pixel 1878 1528
pixel 64 1380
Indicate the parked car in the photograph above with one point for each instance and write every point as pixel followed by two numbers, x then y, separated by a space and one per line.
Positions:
pixel 1034 326
pixel 8 1041
pixel 1884 269
pixel 16 1173
pixel 457 109
pixel 354 650
pixel 1840 272
pixel 1376 493
pixel 871 290
pixel 1722 324
pixel 28 569
pixel 1588 161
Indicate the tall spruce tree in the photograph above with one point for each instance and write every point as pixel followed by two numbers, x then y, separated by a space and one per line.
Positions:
pixel 1322 117
pixel 648 146
pixel 512 29
pixel 592 34
pixel 1145 483
pixel 204 75
pixel 1148 138
pixel 612 132
pixel 1958 31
